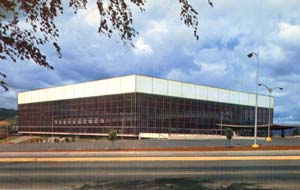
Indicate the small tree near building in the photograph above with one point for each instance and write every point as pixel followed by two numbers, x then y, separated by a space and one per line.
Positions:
pixel 296 132
pixel 229 134
pixel 112 136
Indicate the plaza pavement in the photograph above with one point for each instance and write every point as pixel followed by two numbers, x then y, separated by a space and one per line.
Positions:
pixel 156 144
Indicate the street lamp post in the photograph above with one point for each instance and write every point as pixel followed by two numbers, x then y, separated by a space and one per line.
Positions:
pixel 250 55
pixel 268 138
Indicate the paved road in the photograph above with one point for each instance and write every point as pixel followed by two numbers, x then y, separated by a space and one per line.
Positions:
pixel 129 144
pixel 132 174
pixel 118 154
pixel 209 175
pixel 166 175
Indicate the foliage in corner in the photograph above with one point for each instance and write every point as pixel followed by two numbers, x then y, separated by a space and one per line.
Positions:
pixel 26 25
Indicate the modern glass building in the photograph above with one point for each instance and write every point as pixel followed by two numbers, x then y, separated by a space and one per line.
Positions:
pixel 136 104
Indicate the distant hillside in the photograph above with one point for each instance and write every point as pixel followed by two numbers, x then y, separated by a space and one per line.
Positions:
pixel 7 114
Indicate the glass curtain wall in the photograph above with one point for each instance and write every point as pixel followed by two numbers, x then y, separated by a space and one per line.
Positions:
pixel 134 113
pixel 84 115
pixel 163 114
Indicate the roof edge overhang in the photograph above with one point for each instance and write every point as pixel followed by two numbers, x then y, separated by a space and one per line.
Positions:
pixel 143 84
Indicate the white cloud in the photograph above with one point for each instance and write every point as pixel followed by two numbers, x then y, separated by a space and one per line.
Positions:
pixel 215 68
pixel 176 74
pixel 142 48
pixel 156 28
pixel 289 33
pixel 92 17
pixel 272 54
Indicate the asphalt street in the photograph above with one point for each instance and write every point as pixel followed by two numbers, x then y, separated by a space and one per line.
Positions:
pixel 213 170
pixel 118 154
pixel 134 175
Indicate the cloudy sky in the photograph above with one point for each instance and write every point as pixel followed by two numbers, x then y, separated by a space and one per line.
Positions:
pixel 166 48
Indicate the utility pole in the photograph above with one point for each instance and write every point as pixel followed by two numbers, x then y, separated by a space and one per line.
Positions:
pixel 250 55
pixel 270 90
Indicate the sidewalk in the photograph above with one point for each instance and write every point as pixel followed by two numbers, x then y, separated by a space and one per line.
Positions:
pixel 155 145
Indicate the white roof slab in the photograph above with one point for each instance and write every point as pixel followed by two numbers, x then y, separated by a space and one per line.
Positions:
pixel 143 84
